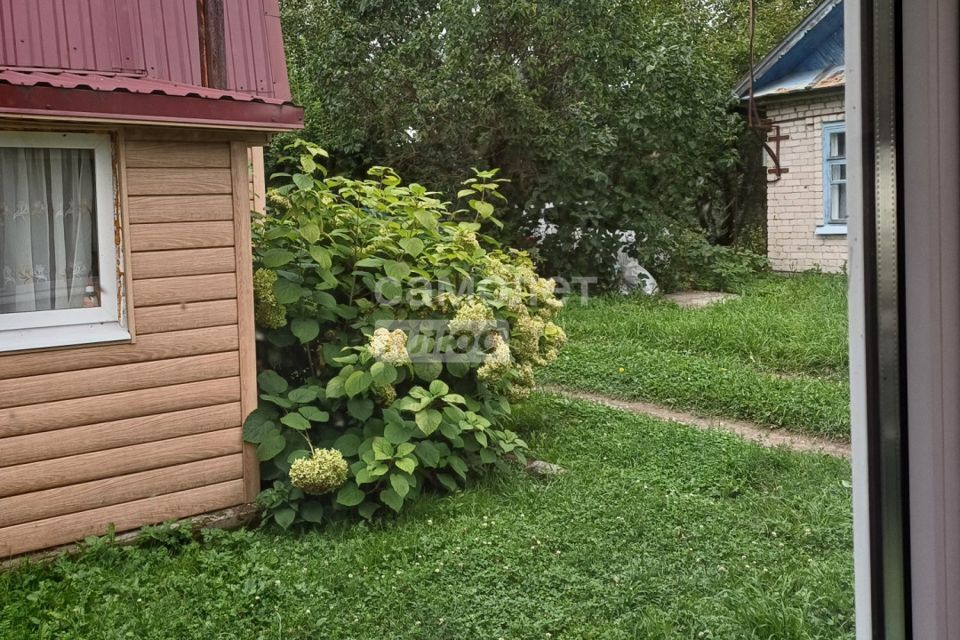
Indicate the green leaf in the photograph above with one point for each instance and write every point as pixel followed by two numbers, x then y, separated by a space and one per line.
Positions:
pixel 358 382
pixel 367 509
pixel 347 444
pixel 296 421
pixel 350 495
pixel 311 233
pixel 428 421
pixel 314 415
pixel 454 398
pixel 272 383
pixel 397 433
pixel 304 395
pixel 360 408
pixel 321 256
pixel 382 449
pixel 406 464
pixel 335 387
pixel 439 388
pixel 457 464
pixel 463 193
pixel 458 368
pixel 306 329
pixel 405 449
pixel 287 292
pixel 303 181
pixel 296 455
pixel 277 400
pixel 276 258
pixel 284 516
pixel 383 373
pixel 450 430
pixel 272 446
pixel 426 219
pixel 400 484
pixel 487 456
pixel 428 370
pixel 428 454
pixel 369 262
pixel 413 246
pixel 392 499
pixel 312 512
pixel 485 209
pixel 448 482
pixel 258 424
pixel 396 270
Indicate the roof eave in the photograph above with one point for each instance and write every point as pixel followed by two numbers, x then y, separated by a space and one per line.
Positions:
pixel 119 106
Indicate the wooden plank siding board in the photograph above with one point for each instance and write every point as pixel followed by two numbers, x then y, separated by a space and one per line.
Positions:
pixel 160 346
pixel 67 385
pixel 181 235
pixel 246 324
pixel 108 491
pixel 176 208
pixel 157 154
pixel 59 472
pixel 162 291
pixel 119 433
pixel 164 181
pixel 178 317
pixel 122 517
pixel 77 412
pixel 189 262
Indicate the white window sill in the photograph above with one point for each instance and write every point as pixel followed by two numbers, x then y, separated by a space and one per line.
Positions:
pixel 65 336
pixel 831 230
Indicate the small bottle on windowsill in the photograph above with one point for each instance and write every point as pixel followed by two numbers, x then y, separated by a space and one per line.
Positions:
pixel 90 297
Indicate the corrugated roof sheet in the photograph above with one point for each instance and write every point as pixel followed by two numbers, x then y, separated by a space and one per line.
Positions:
pixel 122 82
pixel 143 48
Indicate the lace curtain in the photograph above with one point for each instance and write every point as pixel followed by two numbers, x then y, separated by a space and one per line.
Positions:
pixel 48 253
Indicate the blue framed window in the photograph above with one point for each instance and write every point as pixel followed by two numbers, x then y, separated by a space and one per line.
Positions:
pixel 834 179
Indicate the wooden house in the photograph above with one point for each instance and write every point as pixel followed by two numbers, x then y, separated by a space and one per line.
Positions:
pixel 127 358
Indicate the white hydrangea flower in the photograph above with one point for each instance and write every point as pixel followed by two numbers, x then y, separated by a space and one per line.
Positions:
pixel 389 346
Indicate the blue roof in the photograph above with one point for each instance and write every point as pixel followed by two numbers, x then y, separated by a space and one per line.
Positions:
pixel 810 58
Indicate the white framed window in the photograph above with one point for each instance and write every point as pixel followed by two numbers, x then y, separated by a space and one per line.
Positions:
pixel 59 277
pixel 834 179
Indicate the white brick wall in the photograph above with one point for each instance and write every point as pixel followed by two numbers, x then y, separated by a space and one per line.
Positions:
pixel 795 202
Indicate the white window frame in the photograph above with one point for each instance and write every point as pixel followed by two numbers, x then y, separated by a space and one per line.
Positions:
pixel 69 327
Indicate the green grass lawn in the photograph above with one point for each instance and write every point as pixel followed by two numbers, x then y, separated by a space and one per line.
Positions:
pixel 657 531
pixel 777 356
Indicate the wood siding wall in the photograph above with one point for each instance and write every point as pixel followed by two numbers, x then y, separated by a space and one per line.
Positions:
pixel 138 433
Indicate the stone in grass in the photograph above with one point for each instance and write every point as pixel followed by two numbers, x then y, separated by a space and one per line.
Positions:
pixel 699 299
pixel 545 470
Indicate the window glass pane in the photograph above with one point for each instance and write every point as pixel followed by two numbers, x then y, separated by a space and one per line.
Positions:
pixel 838 172
pixel 838 203
pixel 48 231
pixel 838 144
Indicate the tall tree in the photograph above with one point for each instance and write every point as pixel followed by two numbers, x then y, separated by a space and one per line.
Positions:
pixel 606 115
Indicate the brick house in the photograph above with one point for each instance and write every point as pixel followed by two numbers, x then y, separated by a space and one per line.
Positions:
pixel 798 93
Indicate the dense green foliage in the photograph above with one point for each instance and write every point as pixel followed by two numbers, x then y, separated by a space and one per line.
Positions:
pixel 396 338
pixel 777 356
pixel 606 115
pixel 657 531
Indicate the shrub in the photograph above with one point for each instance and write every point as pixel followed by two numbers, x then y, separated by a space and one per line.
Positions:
pixel 693 263
pixel 395 337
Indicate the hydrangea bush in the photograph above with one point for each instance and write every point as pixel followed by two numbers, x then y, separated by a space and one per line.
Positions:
pixel 395 336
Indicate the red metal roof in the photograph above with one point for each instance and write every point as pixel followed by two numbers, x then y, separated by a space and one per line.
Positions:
pixel 59 58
